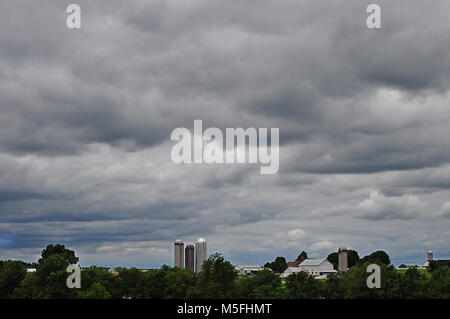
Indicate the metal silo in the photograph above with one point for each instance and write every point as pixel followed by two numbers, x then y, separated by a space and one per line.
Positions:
pixel 189 255
pixel 343 259
pixel 178 254
pixel 200 254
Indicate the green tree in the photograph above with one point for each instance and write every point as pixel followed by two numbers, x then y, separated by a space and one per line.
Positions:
pixel 353 258
pixel 333 258
pixel 128 282
pixel 95 291
pixel 440 283
pixel 215 280
pixel 100 275
pixel 303 255
pixel 49 281
pixel 433 265
pixel 28 288
pixel 414 284
pixel 153 285
pixel 333 287
pixel 166 283
pixel 390 283
pixel 353 283
pixel 262 285
pixel 300 285
pixel 61 250
pixel 179 281
pixel 278 266
pixel 11 275
pixel 378 255
pixel 52 276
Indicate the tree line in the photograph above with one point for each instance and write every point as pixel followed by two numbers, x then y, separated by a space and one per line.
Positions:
pixel 218 279
pixel 279 265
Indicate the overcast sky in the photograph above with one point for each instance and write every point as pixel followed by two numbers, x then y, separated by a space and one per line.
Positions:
pixel 86 117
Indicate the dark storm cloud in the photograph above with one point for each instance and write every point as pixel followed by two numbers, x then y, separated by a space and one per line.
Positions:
pixel 12 196
pixel 86 117
pixel 148 16
pixel 288 102
pixel 122 84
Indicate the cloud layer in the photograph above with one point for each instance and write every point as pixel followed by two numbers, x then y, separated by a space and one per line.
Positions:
pixel 86 117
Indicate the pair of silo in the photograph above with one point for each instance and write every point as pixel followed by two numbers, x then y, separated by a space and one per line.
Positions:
pixel 190 257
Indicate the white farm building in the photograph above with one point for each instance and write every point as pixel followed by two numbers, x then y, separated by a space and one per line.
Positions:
pixel 248 269
pixel 314 267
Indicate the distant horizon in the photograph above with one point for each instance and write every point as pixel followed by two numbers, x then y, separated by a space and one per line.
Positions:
pixel 410 261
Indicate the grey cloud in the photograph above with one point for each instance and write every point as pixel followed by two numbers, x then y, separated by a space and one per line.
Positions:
pixel 148 16
pixel 378 207
pixel 445 211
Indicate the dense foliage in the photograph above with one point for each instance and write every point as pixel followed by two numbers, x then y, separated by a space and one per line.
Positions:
pixel 279 265
pixel 218 279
